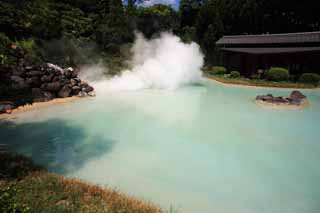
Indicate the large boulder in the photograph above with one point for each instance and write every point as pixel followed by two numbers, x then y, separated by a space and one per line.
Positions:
pixel 33 81
pixel 16 79
pixel 34 73
pixel 65 91
pixel 20 85
pixel 46 78
pixel 297 96
pixel 54 86
pixel 88 89
pixel 73 82
pixel 76 90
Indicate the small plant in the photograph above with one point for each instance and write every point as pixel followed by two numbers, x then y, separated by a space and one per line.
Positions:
pixel 234 74
pixel 8 200
pixel 3 59
pixel 218 70
pixel 277 74
pixel 310 78
pixel 28 45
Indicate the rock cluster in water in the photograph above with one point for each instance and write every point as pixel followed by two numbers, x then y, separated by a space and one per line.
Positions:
pixel 44 82
pixel 296 98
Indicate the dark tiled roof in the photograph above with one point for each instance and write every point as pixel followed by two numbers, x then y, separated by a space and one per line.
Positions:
pixel 307 37
pixel 272 50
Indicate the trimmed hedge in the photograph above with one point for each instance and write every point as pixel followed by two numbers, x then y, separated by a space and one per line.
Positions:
pixel 218 70
pixel 234 74
pixel 310 78
pixel 277 74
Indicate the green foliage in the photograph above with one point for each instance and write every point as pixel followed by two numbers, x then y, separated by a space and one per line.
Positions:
pixel 255 76
pixel 188 34
pixel 4 40
pixel 310 78
pixel 159 10
pixel 74 22
pixel 28 45
pixel 277 74
pixel 218 70
pixel 113 29
pixel 156 19
pixel 189 10
pixel 234 74
pixel 9 202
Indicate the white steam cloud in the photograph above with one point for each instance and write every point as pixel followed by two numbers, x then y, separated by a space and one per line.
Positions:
pixel 162 63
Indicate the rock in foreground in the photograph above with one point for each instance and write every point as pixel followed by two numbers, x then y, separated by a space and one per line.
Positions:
pixel 296 99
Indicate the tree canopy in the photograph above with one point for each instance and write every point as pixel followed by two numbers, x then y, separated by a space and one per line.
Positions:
pixel 111 24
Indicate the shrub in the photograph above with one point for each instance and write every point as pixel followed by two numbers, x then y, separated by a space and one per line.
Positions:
pixel 277 74
pixel 234 74
pixel 28 45
pixel 310 78
pixel 255 76
pixel 217 70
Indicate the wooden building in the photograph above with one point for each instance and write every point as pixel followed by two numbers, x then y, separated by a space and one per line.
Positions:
pixel 299 52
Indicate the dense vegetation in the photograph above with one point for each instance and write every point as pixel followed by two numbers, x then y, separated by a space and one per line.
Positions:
pixel 75 31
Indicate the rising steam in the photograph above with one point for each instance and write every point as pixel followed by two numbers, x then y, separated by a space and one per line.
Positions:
pixel 162 63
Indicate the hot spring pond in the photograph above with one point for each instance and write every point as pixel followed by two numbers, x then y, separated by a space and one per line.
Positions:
pixel 206 148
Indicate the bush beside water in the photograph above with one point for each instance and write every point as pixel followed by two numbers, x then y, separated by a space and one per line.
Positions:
pixel 277 74
pixel 218 70
pixel 234 74
pixel 310 78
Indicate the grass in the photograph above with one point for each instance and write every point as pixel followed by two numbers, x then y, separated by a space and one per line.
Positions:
pixel 260 83
pixel 25 187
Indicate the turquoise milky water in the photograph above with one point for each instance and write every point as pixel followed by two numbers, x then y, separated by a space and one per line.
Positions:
pixel 206 148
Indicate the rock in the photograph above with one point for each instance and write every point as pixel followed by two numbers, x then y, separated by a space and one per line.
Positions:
pixel 55 78
pixel 74 74
pixel 297 96
pixel 34 73
pixel 55 67
pixel 65 91
pixel 279 100
pixel 7 106
pixel 44 86
pixel 37 94
pixel 64 80
pixel 73 82
pixel 41 96
pixel 84 84
pixel 70 69
pixel 28 67
pixel 46 78
pixel 48 95
pixel 16 79
pixel 88 89
pixel 82 94
pixel 33 81
pixel 92 94
pixel 21 85
pixel 76 90
pixel 53 87
pixel 68 74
